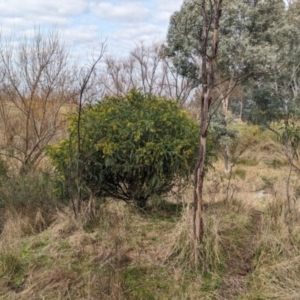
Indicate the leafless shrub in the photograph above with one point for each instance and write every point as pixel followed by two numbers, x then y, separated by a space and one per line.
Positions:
pixel 148 70
pixel 37 81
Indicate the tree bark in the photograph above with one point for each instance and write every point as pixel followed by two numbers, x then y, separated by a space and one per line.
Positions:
pixel 227 164
pixel 207 65
pixel 241 109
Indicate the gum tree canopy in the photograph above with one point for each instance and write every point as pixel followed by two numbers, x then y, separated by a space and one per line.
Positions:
pixel 218 44
pixel 132 147
pixel 244 33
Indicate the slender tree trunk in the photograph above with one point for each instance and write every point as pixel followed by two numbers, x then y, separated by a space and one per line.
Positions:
pixel 198 183
pixel 227 164
pixel 226 103
pixel 80 164
pixel 208 61
pixel 241 109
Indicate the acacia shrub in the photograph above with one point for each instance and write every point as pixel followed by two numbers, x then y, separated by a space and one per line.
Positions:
pixel 131 148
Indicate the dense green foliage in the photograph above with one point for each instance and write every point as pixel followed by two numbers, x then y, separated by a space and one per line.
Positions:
pixel 258 50
pixel 132 148
pixel 275 92
pixel 244 37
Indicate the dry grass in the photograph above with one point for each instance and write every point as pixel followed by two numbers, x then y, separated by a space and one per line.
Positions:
pixel 91 255
pixel 190 255
pixel 125 255
pixel 250 250
pixel 17 226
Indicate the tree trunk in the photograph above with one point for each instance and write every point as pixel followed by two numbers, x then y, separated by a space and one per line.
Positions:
pixel 207 61
pixel 241 109
pixel 198 189
pixel 226 103
pixel 227 164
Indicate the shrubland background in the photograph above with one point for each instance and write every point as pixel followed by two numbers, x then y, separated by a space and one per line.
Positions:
pixel 87 245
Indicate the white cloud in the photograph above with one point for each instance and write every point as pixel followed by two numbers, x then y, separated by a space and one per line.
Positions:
pixel 167 5
pixel 29 8
pixel 14 22
pixel 162 17
pixel 125 39
pixel 136 32
pixel 128 11
pixel 82 34
pixel 123 22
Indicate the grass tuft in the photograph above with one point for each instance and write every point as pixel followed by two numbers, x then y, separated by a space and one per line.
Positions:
pixel 191 255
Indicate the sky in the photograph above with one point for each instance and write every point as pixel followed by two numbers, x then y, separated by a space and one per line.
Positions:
pixel 86 23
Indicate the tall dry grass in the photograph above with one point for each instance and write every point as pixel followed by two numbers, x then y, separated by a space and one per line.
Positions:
pixel 248 252
pixel 28 199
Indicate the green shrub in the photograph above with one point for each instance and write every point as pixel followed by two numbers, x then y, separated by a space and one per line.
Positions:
pixel 132 147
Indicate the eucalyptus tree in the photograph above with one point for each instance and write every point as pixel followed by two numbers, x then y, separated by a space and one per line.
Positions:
pixel 184 40
pixel 243 30
pixel 276 92
pixel 192 44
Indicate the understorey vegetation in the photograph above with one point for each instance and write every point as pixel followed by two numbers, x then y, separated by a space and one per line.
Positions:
pixel 131 148
pixel 172 173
